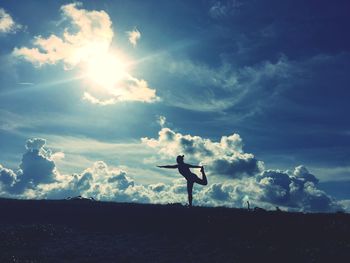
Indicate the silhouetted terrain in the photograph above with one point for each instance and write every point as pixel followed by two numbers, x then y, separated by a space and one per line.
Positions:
pixel 89 231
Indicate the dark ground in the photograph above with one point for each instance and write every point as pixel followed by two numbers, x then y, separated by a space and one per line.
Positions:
pixel 87 231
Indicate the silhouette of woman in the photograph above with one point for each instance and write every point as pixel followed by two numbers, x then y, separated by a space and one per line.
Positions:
pixel 184 170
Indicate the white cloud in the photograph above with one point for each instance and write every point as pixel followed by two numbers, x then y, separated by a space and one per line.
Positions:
pixel 162 121
pixel 86 44
pixel 57 156
pixel 134 36
pixel 103 102
pixel 93 35
pixel 99 181
pixel 223 158
pixel 132 89
pixel 7 24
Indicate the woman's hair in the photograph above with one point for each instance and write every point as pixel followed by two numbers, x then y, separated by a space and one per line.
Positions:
pixel 180 158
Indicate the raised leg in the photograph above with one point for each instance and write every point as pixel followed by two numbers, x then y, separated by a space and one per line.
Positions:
pixel 204 180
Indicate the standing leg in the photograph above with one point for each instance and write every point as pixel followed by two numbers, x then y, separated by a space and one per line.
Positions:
pixel 204 177
pixel 189 191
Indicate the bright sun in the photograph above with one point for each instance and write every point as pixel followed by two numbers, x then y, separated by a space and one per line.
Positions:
pixel 106 70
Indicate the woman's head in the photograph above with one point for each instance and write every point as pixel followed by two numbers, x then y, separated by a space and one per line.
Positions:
pixel 180 159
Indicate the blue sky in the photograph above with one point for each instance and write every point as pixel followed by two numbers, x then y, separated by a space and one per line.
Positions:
pixel 135 83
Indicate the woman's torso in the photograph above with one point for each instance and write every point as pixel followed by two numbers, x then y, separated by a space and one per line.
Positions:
pixel 185 171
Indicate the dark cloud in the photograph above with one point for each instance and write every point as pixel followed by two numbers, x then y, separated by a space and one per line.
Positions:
pixel 7 178
pixel 157 187
pixel 82 182
pixel 235 167
pixel 218 192
pixel 36 166
pixel 296 190
pixel 122 180
pixel 301 173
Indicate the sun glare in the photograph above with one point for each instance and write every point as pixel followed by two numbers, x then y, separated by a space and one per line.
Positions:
pixel 106 70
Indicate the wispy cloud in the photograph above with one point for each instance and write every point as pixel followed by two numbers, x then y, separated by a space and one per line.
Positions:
pixel 25 83
pixel 215 89
pixel 162 121
pixel 221 9
pixel 134 36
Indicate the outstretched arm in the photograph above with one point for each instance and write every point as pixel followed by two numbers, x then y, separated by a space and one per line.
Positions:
pixel 168 166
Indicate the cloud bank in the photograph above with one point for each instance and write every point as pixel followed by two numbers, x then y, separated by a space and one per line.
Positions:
pixel 245 176
pixel 235 177
pixel 86 43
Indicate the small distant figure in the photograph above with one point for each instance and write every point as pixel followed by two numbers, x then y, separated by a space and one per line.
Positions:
pixel 248 205
pixel 184 170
